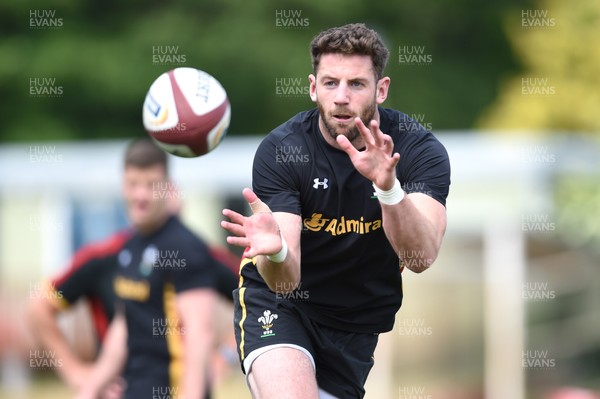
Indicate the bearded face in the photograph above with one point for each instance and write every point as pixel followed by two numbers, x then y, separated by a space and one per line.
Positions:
pixel 340 120
pixel 344 88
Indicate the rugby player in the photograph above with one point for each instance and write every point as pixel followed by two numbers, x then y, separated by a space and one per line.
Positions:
pixel 166 280
pixel 332 226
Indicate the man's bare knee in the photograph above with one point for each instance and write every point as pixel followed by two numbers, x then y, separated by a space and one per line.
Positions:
pixel 283 373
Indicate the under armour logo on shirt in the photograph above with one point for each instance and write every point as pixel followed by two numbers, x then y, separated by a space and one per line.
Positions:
pixel 320 183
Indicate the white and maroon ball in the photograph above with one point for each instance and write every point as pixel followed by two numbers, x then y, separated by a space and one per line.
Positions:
pixel 186 112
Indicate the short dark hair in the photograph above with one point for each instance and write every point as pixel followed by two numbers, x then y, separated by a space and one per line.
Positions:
pixel 144 153
pixel 350 39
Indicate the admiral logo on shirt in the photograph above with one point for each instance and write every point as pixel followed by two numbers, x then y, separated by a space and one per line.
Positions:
pixel 341 226
pixel 132 289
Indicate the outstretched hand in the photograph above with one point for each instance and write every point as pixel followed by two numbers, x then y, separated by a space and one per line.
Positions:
pixel 376 162
pixel 259 233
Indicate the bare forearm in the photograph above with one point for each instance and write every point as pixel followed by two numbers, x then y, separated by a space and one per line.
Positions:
pixel 107 369
pixel 284 276
pixel 112 358
pixel 280 277
pixel 196 308
pixel 413 236
pixel 196 365
pixel 42 319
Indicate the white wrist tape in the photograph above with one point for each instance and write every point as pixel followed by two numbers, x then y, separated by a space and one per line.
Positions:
pixel 279 257
pixel 392 196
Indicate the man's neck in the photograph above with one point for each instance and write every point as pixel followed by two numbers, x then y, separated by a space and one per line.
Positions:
pixel 154 227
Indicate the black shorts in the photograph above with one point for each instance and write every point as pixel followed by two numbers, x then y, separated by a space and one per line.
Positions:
pixel 342 359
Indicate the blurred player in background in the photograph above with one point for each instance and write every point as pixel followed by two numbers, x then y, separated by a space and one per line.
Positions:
pixel 89 276
pixel 93 270
pixel 344 196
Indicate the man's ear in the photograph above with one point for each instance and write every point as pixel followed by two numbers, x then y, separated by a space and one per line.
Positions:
pixel 312 90
pixel 383 85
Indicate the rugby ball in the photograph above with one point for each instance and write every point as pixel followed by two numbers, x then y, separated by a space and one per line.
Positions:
pixel 187 112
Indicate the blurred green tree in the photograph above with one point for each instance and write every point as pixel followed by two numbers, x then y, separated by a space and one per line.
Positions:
pixel 559 87
pixel 99 59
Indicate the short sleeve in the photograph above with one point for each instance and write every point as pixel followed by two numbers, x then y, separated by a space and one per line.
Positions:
pixel 77 281
pixel 91 265
pixel 196 269
pixel 424 167
pixel 225 262
pixel 272 180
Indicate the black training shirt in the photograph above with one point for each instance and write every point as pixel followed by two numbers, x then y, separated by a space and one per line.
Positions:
pixel 350 274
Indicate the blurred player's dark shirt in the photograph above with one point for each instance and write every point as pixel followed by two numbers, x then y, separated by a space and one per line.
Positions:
pixel 92 270
pixel 90 275
pixel 153 269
